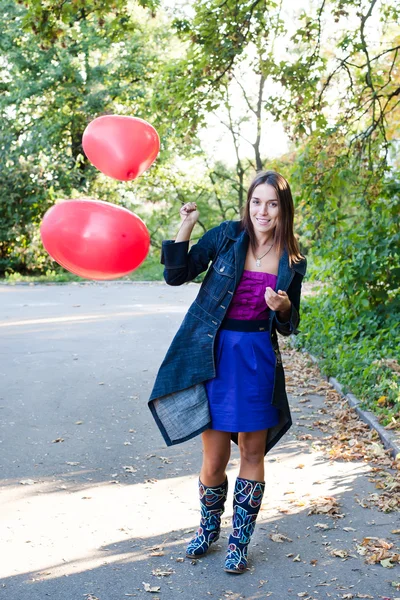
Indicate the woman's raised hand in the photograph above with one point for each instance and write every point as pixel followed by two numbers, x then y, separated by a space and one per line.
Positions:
pixel 189 213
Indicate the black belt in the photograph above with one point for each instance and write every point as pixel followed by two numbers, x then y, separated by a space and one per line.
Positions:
pixel 245 325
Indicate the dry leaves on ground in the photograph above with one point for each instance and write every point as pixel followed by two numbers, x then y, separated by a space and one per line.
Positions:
pixel 349 438
pixel 279 537
pixel 377 550
pixel 149 588
pixel 156 551
pixel 322 526
pixel 129 469
pixel 340 553
pixel 325 505
pixel 162 572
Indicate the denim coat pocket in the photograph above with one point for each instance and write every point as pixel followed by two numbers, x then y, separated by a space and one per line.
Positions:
pixel 219 279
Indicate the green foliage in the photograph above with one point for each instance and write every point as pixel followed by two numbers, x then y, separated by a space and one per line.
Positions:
pixel 359 352
pixel 50 93
pixel 51 20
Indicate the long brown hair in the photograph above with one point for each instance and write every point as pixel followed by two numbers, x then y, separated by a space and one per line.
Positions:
pixel 284 234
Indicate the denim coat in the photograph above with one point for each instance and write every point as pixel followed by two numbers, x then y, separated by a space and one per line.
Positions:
pixel 179 401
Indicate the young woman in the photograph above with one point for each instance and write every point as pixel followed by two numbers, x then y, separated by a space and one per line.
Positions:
pixel 223 375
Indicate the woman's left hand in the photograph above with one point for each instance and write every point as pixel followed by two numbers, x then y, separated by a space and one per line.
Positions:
pixel 277 301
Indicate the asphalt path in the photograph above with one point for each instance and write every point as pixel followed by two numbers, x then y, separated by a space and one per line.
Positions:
pixel 94 505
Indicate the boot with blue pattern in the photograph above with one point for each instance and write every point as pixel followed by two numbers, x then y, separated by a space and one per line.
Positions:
pixel 247 500
pixel 212 501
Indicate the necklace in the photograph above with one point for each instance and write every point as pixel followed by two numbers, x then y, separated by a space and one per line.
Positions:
pixel 258 258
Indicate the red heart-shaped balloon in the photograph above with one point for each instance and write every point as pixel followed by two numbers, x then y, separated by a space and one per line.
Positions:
pixel 121 147
pixel 95 239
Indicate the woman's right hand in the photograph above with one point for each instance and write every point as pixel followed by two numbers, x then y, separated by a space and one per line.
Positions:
pixel 189 213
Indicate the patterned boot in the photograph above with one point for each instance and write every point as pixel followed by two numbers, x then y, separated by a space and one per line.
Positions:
pixel 212 501
pixel 247 500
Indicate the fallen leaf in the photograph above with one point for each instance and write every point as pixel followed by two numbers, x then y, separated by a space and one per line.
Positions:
pixel 57 440
pixel 279 537
pixel 156 551
pixel 161 573
pixel 339 553
pixel 297 558
pixel 129 469
pixel 386 563
pixel 149 588
pixel 78 422
pixel 27 482
pixel 322 525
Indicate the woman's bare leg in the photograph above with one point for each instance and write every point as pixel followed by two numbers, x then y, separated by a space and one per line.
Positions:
pixel 216 453
pixel 252 449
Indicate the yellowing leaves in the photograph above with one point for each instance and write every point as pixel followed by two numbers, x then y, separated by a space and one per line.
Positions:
pixel 326 505
pixel 377 550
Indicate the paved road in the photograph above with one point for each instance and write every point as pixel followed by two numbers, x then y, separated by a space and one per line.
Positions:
pixel 93 505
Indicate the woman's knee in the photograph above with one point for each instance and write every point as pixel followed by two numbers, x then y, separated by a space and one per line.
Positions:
pixel 216 451
pixel 252 451
pixel 215 464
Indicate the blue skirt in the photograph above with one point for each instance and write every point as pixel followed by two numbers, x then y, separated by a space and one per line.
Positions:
pixel 240 394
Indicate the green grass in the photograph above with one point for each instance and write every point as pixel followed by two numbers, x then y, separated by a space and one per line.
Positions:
pixel 150 270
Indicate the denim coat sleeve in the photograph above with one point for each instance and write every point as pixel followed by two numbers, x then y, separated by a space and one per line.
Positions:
pixel 294 293
pixel 183 265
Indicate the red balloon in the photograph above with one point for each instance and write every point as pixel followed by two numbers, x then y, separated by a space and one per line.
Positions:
pixel 95 239
pixel 121 147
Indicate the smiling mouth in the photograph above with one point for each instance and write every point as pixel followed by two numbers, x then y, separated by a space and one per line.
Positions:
pixel 263 221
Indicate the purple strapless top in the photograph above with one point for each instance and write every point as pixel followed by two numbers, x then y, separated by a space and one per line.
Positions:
pixel 248 302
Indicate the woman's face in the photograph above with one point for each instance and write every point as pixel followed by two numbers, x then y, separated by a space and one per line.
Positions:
pixel 264 208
